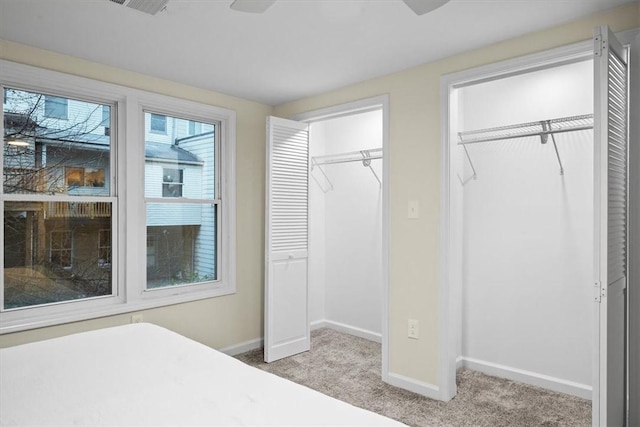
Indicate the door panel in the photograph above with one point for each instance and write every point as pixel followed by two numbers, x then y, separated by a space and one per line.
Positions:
pixel 610 226
pixel 287 330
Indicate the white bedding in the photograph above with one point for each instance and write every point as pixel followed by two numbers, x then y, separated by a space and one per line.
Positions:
pixel 142 374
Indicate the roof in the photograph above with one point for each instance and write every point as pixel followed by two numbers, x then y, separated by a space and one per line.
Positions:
pixel 171 152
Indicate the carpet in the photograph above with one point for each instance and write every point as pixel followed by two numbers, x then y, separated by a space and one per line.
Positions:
pixel 348 368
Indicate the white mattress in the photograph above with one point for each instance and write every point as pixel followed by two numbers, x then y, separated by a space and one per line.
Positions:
pixel 144 374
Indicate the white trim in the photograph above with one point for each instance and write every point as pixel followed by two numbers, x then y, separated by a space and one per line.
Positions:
pixel 347 329
pixel 128 165
pixel 243 347
pixel 528 377
pixel 360 106
pixel 425 389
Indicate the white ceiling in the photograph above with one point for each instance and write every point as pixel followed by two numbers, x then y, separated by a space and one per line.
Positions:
pixel 297 48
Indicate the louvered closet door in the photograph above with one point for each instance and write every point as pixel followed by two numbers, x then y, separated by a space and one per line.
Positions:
pixel 610 237
pixel 286 307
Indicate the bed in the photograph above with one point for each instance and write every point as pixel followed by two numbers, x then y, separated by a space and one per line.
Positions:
pixel 142 374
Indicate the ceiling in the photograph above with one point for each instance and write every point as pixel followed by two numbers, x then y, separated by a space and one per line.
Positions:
pixel 297 48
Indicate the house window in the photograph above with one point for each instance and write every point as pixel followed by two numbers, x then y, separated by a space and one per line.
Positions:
pixel 56 107
pixel 195 128
pixel 64 232
pixel 104 247
pixel 60 248
pixel 186 228
pixel 106 119
pixel 74 176
pixel 172 182
pixel 84 177
pixel 158 123
pixel 151 251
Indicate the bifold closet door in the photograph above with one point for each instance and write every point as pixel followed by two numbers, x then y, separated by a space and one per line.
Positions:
pixel 287 330
pixel 610 226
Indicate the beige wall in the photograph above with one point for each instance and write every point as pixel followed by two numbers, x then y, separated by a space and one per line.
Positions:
pixel 415 174
pixel 217 322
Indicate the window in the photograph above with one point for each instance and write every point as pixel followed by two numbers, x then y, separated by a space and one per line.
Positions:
pixel 158 123
pixel 64 237
pixel 172 181
pixel 56 107
pixel 151 251
pixel 60 248
pixel 104 248
pixel 74 176
pixel 106 119
pixel 194 128
pixel 84 177
pixel 43 223
pixel 186 229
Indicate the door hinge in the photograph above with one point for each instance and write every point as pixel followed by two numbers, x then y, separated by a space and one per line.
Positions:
pixel 598 44
pixel 598 292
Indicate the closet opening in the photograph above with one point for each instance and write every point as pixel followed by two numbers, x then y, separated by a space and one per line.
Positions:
pixel 521 225
pixel 526 212
pixel 345 224
pixel 348 211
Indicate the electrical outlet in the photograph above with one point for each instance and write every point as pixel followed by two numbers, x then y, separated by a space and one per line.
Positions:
pixel 136 318
pixel 413 329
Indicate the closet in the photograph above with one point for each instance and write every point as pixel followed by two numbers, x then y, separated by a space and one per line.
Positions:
pixel 345 224
pixel 526 199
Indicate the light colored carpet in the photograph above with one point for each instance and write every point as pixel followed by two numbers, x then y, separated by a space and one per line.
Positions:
pixel 348 368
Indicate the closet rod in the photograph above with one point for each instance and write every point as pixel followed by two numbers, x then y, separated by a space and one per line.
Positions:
pixel 352 156
pixel 541 128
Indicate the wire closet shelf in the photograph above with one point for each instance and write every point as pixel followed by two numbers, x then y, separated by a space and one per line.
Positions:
pixel 364 156
pixel 543 129
pixel 540 128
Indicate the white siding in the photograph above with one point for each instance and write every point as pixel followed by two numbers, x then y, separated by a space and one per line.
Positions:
pixel 205 250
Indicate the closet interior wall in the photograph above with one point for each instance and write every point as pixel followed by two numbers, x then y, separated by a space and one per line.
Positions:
pixel 345 227
pixel 527 304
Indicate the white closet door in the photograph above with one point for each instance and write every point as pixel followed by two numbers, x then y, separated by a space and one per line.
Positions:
pixel 286 288
pixel 610 227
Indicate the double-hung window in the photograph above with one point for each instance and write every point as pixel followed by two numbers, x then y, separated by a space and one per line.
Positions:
pixel 183 212
pixel 74 231
pixel 49 225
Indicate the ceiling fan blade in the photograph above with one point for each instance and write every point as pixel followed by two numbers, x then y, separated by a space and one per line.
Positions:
pixel 252 6
pixel 420 7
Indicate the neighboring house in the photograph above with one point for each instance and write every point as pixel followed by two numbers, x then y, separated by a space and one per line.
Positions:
pixel 62 147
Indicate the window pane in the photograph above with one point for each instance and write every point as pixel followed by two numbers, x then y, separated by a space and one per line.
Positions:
pixel 182 165
pixel 181 243
pixel 47 155
pixel 56 251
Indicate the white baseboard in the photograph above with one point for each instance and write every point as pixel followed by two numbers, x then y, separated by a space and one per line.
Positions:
pixel 528 377
pixel 425 389
pixel 347 329
pixel 459 362
pixel 243 347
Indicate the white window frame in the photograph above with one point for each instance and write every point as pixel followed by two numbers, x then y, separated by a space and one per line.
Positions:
pixel 128 240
